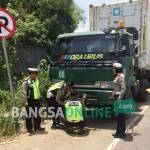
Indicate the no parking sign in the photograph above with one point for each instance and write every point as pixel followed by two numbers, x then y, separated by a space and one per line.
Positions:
pixel 7 30
pixel 7 24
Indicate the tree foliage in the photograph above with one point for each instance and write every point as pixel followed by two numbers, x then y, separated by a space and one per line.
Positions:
pixel 39 22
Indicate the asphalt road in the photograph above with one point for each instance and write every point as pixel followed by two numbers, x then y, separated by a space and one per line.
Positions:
pixel 99 136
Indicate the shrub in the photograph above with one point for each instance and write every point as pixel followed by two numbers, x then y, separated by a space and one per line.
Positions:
pixel 44 76
pixel 8 126
pixel 5 99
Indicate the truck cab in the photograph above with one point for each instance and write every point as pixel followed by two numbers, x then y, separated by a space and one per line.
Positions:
pixel 86 60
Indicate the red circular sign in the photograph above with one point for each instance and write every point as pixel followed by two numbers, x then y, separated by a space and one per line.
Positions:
pixel 7 24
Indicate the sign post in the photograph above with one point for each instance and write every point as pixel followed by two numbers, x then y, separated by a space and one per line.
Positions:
pixel 8 70
pixel 7 29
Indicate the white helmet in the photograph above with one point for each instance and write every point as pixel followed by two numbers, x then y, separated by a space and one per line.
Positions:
pixel 117 65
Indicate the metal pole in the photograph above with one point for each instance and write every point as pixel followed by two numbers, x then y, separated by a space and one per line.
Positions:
pixel 8 70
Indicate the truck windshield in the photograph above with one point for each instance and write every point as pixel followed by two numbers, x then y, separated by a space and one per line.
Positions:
pixel 84 47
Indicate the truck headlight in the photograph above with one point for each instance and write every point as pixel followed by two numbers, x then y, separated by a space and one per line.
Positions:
pixel 104 85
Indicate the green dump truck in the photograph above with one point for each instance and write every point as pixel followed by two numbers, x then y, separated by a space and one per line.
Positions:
pixel 86 59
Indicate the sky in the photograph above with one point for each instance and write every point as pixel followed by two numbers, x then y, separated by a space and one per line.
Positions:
pixel 84 4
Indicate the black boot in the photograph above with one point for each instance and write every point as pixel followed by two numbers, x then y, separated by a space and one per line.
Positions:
pixel 40 129
pixel 30 131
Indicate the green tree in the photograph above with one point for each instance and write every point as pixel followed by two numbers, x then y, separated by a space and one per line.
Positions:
pixel 3 70
pixel 39 22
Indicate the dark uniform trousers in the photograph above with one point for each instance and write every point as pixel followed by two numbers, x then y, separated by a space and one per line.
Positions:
pixel 35 106
pixel 52 103
pixel 121 122
pixel 121 126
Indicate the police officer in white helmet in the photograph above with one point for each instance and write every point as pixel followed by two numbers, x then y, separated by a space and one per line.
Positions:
pixel 31 98
pixel 119 84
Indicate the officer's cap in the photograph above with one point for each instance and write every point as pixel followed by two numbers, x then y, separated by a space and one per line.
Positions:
pixel 33 70
pixel 117 65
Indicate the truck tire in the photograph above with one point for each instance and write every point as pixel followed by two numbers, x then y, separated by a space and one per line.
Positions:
pixel 143 94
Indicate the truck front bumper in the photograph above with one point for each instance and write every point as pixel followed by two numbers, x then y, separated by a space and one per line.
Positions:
pixel 97 97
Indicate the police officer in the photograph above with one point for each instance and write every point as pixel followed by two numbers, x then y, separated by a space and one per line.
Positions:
pixel 62 95
pixel 74 112
pixel 119 94
pixel 51 101
pixel 31 100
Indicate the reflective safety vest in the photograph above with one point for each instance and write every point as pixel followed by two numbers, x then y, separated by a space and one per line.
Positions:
pixel 33 89
pixel 74 111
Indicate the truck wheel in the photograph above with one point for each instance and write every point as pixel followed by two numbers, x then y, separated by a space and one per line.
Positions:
pixel 143 94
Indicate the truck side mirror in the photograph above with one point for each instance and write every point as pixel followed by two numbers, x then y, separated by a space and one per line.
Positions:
pixel 122 52
pixel 49 53
pixel 125 39
pixel 49 50
pixel 112 52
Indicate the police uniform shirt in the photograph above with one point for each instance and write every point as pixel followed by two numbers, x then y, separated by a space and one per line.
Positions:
pixel 119 84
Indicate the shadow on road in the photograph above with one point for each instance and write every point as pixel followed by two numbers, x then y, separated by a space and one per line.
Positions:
pixel 130 137
pixel 86 133
pixel 98 124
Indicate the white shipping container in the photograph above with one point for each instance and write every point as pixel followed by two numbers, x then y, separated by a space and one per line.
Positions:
pixel 106 16
pixel 135 13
